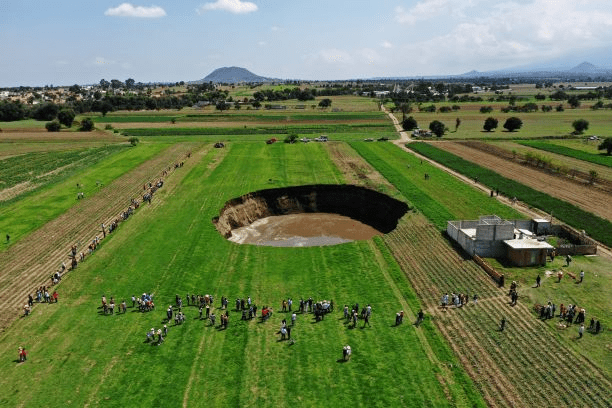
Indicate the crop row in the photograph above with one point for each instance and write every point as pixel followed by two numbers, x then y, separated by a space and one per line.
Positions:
pixel 569 152
pixel 300 129
pixel 38 165
pixel 439 196
pixel 519 364
pixel 598 228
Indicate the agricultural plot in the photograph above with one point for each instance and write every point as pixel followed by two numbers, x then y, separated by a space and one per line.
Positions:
pixel 597 227
pixel 535 125
pixel 29 263
pixel 595 158
pixel 29 212
pixel 245 364
pixel 557 160
pixel 31 170
pixel 440 197
pixel 520 366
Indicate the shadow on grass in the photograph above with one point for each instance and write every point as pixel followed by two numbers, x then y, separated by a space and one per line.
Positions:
pixel 341 360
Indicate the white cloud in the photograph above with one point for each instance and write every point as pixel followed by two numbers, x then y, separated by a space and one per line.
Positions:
pixel 129 10
pixel 275 28
pixel 103 61
pixel 502 33
pixel 386 44
pixel 262 43
pixel 428 9
pixel 233 6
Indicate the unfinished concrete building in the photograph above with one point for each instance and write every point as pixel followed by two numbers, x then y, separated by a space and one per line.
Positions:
pixel 492 237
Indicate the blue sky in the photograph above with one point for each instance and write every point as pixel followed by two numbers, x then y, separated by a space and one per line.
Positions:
pixel 82 41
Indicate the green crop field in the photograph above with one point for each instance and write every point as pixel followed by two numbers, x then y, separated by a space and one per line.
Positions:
pixel 535 125
pixel 30 211
pixel 595 158
pixel 598 228
pixel 244 365
pixel 457 357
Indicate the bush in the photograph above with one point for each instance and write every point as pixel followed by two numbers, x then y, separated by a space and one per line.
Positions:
pixel 486 109
pixel 66 117
pixel 133 140
pixel 409 123
pixel 108 127
pixel 580 125
pixel 513 124
pixel 437 128
pixel 291 138
pixel 87 125
pixel 490 124
pixel 53 126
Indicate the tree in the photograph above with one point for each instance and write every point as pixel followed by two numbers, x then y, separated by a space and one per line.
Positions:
pixel 66 117
pixel 256 104
pixel 437 128
pixel 573 101
pixel 580 125
pixel 87 125
pixel 116 84
pixel 606 145
pixel 46 111
pixel 490 124
pixel 325 103
pixel 104 84
pixel 53 126
pixel 222 105
pixel 513 124
pixel 129 83
pixel 409 123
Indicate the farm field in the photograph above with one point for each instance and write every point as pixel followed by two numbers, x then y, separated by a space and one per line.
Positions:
pixel 584 197
pixel 558 160
pixel 245 364
pixel 535 125
pixel 25 214
pixel 455 358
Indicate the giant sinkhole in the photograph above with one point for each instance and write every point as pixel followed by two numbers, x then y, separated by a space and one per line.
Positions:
pixel 310 215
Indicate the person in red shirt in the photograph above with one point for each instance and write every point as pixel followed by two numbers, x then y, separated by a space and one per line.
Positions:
pixel 55 296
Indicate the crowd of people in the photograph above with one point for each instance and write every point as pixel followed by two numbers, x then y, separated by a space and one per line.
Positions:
pixel 456 299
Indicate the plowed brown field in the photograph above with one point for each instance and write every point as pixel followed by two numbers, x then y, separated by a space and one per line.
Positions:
pixel 587 198
pixel 30 263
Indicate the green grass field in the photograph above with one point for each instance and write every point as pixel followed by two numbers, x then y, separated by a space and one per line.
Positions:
pixel 102 360
pixel 29 212
pixel 81 357
pixel 598 228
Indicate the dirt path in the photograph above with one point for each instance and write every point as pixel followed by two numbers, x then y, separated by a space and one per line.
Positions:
pixel 30 263
pixel 591 200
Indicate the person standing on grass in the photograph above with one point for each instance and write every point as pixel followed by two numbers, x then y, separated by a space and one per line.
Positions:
pixel 538 281
pixel 580 331
pixel 502 324
pixel 8 238
pixel 293 317
pixel 55 296
pixel 581 276
pixel 366 320
pixel 419 318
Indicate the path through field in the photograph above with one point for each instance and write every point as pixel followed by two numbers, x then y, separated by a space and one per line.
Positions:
pixel 526 365
pixel 589 199
pixel 30 263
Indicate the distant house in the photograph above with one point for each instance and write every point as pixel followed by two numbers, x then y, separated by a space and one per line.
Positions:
pixel 492 237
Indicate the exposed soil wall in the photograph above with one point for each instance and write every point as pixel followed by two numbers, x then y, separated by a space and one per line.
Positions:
pixel 367 206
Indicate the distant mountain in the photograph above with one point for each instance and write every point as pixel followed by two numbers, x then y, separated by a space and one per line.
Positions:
pixel 232 75
pixel 582 70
